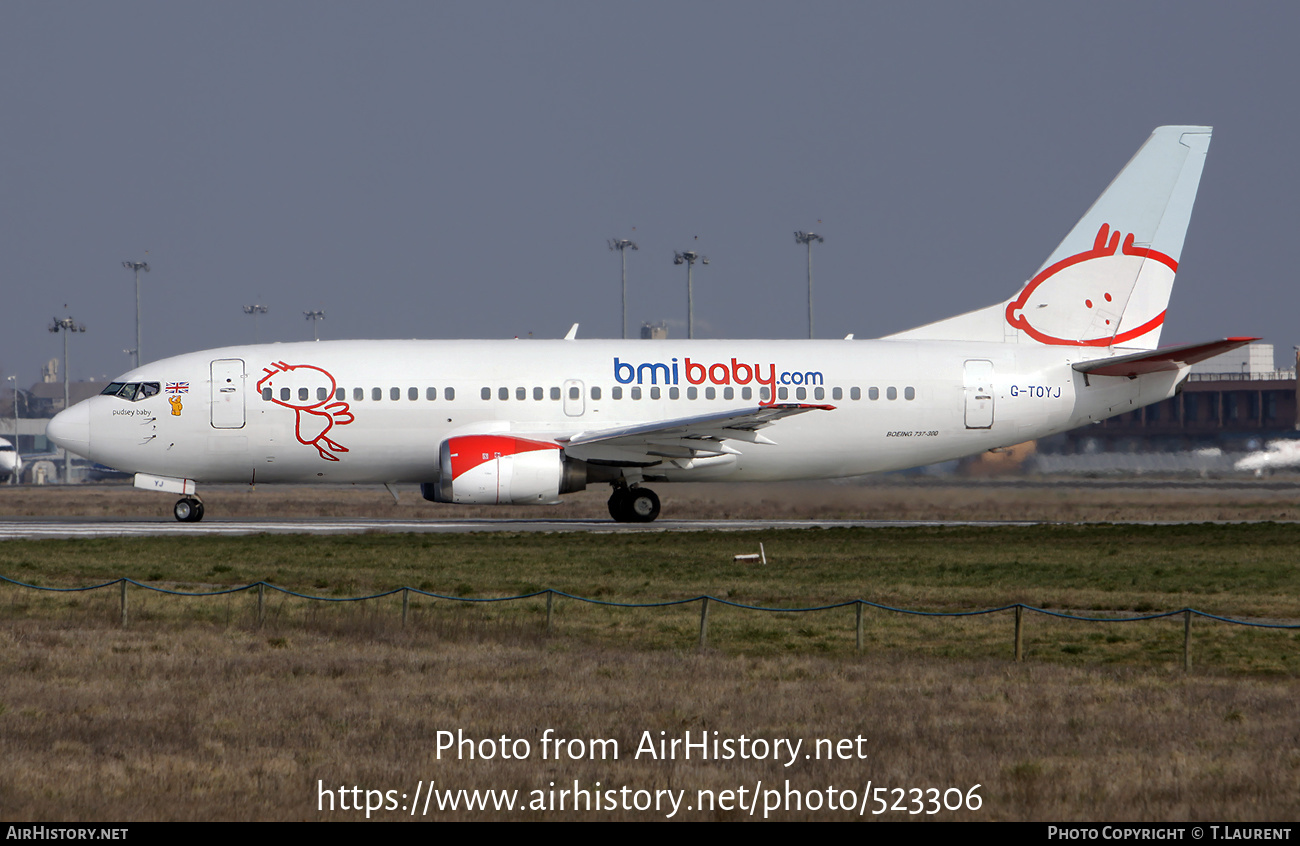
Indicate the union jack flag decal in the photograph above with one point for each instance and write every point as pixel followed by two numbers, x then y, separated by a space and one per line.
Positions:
pixel 178 387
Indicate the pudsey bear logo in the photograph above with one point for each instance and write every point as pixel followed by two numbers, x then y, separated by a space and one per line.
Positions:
pixel 1080 300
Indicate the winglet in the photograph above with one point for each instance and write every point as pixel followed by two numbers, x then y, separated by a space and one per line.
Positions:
pixel 573 333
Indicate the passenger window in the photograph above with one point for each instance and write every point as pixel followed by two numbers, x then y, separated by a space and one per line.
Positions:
pixel 376 394
pixel 302 395
pixel 873 393
pixel 909 393
pixel 595 393
pixel 819 393
pixel 538 393
pixel 503 393
pixel 394 394
pixel 431 394
pixel 636 393
pixel 654 393
pixel 266 393
pixel 616 393
pixel 783 393
pixel 521 393
pixel 555 393
pixel 340 394
pixel 322 393
pixel 674 393
pixel 284 394
pixel 747 393
pixel 765 393
pixel 728 393
pixel 692 393
pixel 801 393
pixel 358 394
pixel 855 393
pixel 412 393
pixel 486 393
pixel 837 393
pixel 892 393
pixel 574 392
pixel 449 394
pixel 710 393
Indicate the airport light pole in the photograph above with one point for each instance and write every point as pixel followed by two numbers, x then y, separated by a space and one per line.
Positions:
pixel 689 258
pixel 67 325
pixel 809 238
pixel 314 316
pixel 623 245
pixel 255 310
pixel 137 266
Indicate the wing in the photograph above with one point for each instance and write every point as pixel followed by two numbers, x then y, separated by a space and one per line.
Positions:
pixel 702 436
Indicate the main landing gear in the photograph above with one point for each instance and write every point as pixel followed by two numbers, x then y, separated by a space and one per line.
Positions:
pixel 633 505
pixel 190 509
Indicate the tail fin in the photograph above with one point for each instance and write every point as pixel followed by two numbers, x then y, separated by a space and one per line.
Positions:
pixel 1109 281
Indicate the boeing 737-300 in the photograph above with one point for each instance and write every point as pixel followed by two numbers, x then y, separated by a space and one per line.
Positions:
pixel 526 421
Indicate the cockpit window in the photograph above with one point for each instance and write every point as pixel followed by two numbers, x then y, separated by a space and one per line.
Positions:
pixel 133 391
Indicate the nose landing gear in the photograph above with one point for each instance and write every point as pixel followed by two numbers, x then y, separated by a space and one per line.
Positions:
pixel 188 509
pixel 633 505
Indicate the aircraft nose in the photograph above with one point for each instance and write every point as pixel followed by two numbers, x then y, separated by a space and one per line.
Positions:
pixel 70 429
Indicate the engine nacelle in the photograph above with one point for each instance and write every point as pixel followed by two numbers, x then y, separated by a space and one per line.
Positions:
pixel 503 470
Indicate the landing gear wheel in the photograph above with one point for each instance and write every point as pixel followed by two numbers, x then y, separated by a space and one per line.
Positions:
pixel 642 505
pixel 618 506
pixel 188 510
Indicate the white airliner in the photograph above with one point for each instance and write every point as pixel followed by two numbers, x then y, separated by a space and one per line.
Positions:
pixel 525 421
pixel 11 461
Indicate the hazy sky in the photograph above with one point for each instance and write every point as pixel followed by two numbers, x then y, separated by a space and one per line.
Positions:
pixel 449 170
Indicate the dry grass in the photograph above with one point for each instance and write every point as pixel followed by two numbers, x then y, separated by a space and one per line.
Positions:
pixel 215 723
pixel 194 713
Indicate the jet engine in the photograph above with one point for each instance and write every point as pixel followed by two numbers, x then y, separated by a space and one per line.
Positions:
pixel 503 470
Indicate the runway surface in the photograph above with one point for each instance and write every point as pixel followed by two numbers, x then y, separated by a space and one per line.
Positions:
pixel 41 528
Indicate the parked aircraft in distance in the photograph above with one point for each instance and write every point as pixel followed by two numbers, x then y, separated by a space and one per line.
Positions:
pixel 11 461
pixel 1276 455
pixel 526 421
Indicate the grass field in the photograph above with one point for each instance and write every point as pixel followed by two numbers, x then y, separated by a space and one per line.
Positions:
pixel 195 712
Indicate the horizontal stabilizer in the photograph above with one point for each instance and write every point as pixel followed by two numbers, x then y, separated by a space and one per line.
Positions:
pixel 1168 358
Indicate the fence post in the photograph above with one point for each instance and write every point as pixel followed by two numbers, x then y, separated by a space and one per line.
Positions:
pixel 406 604
pixel 1187 640
pixel 550 601
pixel 123 603
pixel 261 603
pixel 1020 643
pixel 704 622
pixel 859 624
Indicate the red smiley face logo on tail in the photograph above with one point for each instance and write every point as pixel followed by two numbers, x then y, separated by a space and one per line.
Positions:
pixel 1103 296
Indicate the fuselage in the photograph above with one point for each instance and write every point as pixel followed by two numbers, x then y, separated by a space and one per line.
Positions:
pixel 378 411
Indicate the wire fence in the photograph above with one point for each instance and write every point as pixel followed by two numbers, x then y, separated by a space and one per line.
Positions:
pixel 1017 608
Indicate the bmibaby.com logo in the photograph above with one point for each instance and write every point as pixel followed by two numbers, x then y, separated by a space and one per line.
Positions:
pixel 718 373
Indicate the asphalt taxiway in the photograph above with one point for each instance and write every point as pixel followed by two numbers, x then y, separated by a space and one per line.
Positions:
pixel 43 528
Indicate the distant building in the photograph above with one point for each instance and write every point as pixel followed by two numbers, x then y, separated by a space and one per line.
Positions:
pixel 1234 401
pixel 654 331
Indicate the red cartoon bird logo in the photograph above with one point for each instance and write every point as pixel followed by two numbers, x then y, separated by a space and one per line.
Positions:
pixel 308 390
